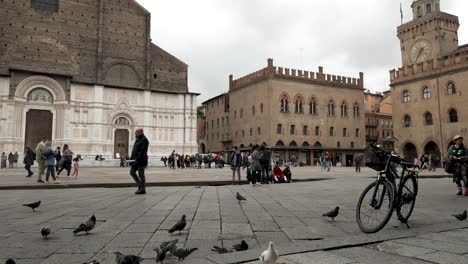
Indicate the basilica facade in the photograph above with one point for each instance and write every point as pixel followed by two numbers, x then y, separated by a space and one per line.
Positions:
pixel 85 73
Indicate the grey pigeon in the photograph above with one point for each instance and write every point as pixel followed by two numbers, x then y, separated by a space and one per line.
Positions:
pixel 126 259
pixel 333 213
pixel 168 245
pixel 92 262
pixel 220 250
pixel 241 247
pixel 33 206
pixel 10 261
pixel 45 232
pixel 86 226
pixel 182 253
pixel 179 226
pixel 160 255
pixel 239 197
pixel 461 216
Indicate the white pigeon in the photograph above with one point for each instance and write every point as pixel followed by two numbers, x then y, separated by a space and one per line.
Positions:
pixel 269 256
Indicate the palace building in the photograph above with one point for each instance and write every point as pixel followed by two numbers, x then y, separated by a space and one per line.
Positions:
pixel 429 90
pixel 85 73
pixel 294 112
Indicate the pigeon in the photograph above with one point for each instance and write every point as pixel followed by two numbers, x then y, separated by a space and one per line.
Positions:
pixel 45 232
pixel 220 250
pixel 182 253
pixel 241 247
pixel 270 255
pixel 10 261
pixel 86 226
pixel 461 216
pixel 126 259
pixel 160 255
pixel 179 226
pixel 92 262
pixel 168 245
pixel 33 205
pixel 333 213
pixel 240 197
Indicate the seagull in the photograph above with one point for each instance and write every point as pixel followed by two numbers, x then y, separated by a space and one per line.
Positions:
pixel 333 213
pixel 241 247
pixel 126 259
pixel 269 256
pixel 461 216
pixel 179 226
pixel 33 205
pixel 45 232
pixel 240 197
pixel 86 226
pixel 220 250
pixel 182 253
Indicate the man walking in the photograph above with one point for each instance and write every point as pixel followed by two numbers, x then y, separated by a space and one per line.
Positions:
pixel 58 157
pixel 40 160
pixel 139 160
pixel 28 161
pixel 236 163
pixel 358 162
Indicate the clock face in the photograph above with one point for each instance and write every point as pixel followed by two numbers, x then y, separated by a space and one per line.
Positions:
pixel 420 51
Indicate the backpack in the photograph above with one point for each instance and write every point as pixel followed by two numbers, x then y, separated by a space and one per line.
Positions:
pixel 264 157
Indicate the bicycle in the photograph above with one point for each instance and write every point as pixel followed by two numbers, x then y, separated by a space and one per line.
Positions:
pixel 385 194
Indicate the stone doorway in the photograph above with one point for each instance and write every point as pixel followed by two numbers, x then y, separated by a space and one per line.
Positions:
pixel 38 126
pixel 120 142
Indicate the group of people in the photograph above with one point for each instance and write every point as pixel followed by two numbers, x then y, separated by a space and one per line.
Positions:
pixel 11 158
pixel 259 167
pixel 325 161
pixel 51 161
pixel 181 161
pixel 426 162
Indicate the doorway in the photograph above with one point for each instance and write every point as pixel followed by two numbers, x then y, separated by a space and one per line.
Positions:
pixel 120 142
pixel 38 126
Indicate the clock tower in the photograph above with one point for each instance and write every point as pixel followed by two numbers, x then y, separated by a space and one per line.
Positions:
pixel 430 35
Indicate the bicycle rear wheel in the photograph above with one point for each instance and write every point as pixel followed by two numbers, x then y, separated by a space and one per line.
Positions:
pixel 374 211
pixel 407 192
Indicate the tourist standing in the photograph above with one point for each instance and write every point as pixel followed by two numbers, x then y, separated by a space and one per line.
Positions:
pixel 236 163
pixel 3 161
pixel 58 157
pixel 358 162
pixel 40 159
pixel 28 161
pixel 66 160
pixel 265 161
pixel 255 167
pixel 10 160
pixel 15 159
pixel 76 167
pixel 49 161
pixel 139 160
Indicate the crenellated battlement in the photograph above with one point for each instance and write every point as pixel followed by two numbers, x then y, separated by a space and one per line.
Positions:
pixel 448 63
pixel 297 75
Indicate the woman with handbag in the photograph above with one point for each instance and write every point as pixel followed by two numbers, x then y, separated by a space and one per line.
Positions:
pixel 66 161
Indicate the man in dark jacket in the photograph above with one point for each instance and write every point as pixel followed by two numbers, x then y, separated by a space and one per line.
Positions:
pixel 139 160
pixel 236 163
pixel 28 161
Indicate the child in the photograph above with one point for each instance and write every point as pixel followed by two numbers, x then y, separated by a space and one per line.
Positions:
pixel 287 174
pixel 76 167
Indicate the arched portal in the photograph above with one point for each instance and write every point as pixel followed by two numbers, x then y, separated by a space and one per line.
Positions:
pixel 432 148
pixel 202 148
pixel 409 151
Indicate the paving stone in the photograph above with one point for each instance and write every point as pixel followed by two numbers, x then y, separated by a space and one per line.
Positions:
pixel 265 225
pixel 305 233
pixel 436 245
pixel 130 240
pixel 238 229
pixel 141 228
pixel 444 258
pixel 401 249
pixel 208 234
pixel 276 237
pixel 318 257
pixel 288 221
pixel 365 255
pixel 70 258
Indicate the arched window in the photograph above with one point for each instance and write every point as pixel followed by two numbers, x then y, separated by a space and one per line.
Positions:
pixel 419 11
pixel 453 116
pixel 279 129
pixel 352 144
pixel 122 121
pixel 251 131
pixel 235 114
pixel 344 109
pixel 406 96
pixel 222 121
pixel 212 124
pixel 331 132
pixel 317 131
pixel 313 106
pixel 40 95
pixel 331 108
pixel 253 109
pixel 356 110
pixel 428 119
pixel 345 132
pixel 357 132
pixel 407 121
pixel 261 108
pixel 236 134
pixel 451 88
pixel 284 108
pixel 259 131
pixel 217 123
pixel 426 93
pixel 428 8
pixel 243 133
pixel 338 144
pixel 299 101
pixel 241 113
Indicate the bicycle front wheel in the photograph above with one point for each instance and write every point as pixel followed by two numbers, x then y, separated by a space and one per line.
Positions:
pixel 375 206
pixel 407 192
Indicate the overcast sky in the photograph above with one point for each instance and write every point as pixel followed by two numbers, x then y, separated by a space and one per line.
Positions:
pixel 221 37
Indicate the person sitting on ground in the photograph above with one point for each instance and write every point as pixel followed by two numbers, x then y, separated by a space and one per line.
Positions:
pixel 278 175
pixel 287 173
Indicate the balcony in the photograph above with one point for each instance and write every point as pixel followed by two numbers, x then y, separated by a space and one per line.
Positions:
pixel 371 138
pixel 372 124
